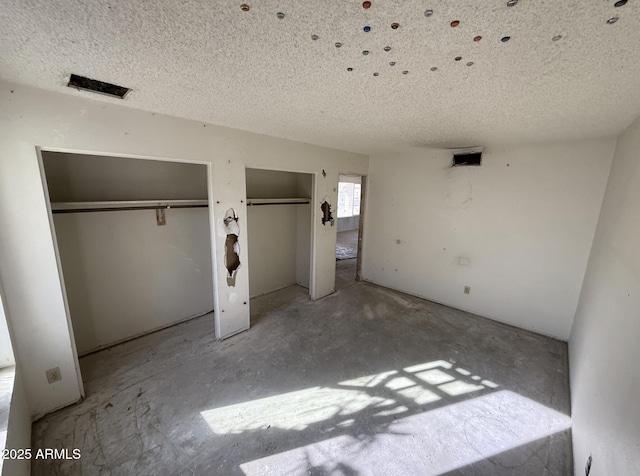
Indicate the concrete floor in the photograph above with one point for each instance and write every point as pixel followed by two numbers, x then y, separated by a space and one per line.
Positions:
pixel 364 382
pixel 345 273
pixel 347 244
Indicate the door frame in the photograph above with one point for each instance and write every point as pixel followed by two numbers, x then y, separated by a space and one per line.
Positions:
pixel 43 178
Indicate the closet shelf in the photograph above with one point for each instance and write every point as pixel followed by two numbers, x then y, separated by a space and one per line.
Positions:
pixel 276 201
pixel 72 207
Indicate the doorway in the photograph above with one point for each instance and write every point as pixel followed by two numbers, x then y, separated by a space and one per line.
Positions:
pixel 349 232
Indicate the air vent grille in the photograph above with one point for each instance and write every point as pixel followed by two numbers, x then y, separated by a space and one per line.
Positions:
pixel 474 158
pixel 113 90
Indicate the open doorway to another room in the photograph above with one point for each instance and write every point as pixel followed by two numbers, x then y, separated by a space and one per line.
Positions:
pixel 349 237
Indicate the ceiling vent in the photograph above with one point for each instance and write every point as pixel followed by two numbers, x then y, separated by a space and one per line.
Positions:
pixel 464 157
pixel 80 82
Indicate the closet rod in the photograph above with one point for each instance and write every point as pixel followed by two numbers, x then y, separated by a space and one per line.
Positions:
pixel 276 203
pixel 81 210
pixel 253 202
pixel 109 206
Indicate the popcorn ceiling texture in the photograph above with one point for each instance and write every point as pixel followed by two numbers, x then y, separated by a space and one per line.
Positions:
pixel 210 61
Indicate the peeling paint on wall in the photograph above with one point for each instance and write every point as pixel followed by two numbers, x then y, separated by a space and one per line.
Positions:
pixel 231 245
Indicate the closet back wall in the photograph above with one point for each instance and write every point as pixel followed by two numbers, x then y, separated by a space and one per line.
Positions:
pixel 125 275
pixel 272 247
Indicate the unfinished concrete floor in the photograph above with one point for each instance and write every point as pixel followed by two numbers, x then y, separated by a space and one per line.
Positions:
pixel 364 382
pixel 346 268
pixel 345 273
pixel 347 244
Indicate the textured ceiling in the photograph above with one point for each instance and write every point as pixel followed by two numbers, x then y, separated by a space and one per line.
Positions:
pixel 213 62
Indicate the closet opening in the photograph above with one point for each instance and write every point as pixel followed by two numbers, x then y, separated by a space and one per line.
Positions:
pixel 349 214
pixel 280 223
pixel 133 242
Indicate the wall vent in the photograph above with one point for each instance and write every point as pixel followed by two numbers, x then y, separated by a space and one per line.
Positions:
pixel 464 157
pixel 86 84
pixel 475 158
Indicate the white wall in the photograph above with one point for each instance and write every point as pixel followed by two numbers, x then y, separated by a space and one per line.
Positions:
pixel 86 178
pixel 604 353
pixel 272 247
pixel 35 307
pixel 274 184
pixel 125 275
pixel 524 220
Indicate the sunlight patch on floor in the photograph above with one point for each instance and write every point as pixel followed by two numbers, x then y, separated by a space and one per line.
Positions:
pixel 291 411
pixel 416 385
pixel 429 443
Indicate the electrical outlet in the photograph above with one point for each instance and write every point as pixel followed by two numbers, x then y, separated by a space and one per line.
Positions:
pixel 467 289
pixel 587 467
pixel 53 375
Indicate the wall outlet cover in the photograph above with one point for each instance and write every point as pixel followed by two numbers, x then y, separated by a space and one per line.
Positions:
pixel 53 375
